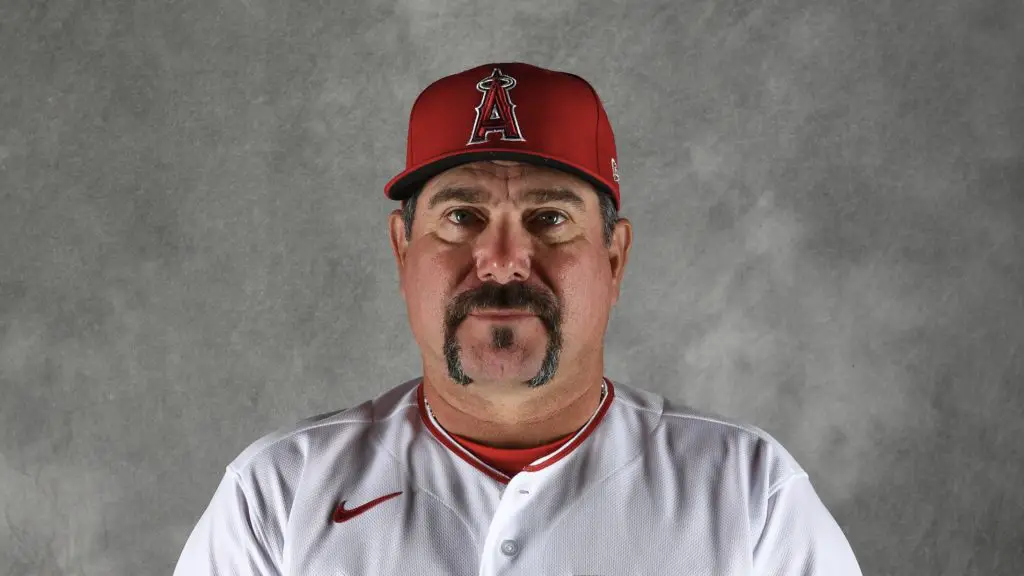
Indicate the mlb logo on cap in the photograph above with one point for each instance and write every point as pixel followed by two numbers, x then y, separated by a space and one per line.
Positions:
pixel 509 111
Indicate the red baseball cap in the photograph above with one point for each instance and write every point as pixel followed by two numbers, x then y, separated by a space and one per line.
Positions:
pixel 509 111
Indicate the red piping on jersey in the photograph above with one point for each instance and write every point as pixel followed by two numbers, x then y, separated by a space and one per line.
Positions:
pixel 565 451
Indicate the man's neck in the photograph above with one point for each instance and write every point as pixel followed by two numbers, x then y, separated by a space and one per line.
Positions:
pixel 534 418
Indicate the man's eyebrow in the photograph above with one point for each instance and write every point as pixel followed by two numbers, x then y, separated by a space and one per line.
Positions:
pixel 562 195
pixel 456 194
pixel 535 196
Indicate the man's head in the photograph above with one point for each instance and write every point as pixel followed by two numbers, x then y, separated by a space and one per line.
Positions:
pixel 510 204
pixel 501 237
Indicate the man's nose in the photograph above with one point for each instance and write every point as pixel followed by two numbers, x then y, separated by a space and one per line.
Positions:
pixel 504 253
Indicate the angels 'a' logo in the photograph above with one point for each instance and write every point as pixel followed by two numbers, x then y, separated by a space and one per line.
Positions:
pixel 496 112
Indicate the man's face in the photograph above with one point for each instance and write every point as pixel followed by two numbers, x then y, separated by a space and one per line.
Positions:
pixel 507 237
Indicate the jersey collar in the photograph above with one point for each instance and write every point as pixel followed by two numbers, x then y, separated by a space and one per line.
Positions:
pixel 455 447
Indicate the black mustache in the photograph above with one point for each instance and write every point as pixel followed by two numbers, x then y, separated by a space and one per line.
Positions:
pixel 506 297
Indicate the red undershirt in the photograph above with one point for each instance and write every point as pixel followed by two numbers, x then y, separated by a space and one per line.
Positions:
pixel 511 461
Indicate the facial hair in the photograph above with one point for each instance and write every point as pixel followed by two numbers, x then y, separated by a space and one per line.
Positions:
pixel 516 296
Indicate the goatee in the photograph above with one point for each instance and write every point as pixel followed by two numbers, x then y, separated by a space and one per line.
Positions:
pixel 492 296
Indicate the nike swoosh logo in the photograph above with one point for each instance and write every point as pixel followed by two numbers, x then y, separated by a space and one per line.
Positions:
pixel 342 515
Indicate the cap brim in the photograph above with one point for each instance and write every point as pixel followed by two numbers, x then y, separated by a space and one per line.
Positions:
pixel 412 180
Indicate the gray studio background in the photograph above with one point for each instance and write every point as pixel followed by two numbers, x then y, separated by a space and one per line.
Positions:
pixel 826 195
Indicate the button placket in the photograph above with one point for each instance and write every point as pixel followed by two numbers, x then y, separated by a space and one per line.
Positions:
pixel 514 496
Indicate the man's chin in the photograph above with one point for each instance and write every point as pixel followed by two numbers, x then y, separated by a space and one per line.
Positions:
pixel 478 354
pixel 501 366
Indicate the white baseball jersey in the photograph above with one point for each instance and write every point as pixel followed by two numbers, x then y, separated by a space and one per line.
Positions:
pixel 645 487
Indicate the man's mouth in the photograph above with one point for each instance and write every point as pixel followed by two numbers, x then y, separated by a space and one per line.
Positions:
pixel 503 314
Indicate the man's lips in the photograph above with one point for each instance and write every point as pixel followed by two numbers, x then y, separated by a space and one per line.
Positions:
pixel 503 315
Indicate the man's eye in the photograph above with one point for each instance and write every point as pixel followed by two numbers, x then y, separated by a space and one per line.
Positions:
pixel 555 214
pixel 459 211
pixel 549 218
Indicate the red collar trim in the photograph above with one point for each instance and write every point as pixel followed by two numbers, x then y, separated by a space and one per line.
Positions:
pixel 562 452
pixel 583 435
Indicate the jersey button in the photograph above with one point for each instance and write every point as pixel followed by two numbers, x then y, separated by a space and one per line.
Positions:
pixel 510 547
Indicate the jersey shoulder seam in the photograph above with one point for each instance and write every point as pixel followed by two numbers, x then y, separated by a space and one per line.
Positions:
pixel 257 527
pixel 782 483
pixel 749 428
pixel 688 413
pixel 794 467
pixel 696 415
pixel 270 440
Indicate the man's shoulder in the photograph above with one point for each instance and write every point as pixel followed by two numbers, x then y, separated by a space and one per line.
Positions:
pixel 293 445
pixel 700 435
pixel 763 453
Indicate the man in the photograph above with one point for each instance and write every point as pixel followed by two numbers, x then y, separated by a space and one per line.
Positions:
pixel 513 454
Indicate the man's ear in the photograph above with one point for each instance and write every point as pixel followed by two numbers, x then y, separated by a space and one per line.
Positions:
pixel 618 254
pixel 399 243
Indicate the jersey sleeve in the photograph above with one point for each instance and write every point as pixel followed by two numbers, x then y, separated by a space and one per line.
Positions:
pixel 227 539
pixel 800 536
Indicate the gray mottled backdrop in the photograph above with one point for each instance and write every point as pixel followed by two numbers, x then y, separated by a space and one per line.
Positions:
pixel 827 200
